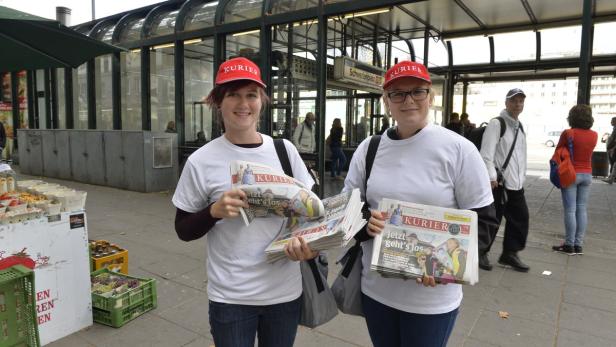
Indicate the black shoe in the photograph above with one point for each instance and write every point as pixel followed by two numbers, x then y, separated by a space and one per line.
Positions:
pixel 568 250
pixel 578 250
pixel 511 259
pixel 484 262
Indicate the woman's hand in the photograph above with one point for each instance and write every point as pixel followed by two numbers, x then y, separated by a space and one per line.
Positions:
pixel 427 281
pixel 376 223
pixel 297 249
pixel 228 206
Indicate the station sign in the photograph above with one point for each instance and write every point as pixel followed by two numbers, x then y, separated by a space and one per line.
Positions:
pixel 366 76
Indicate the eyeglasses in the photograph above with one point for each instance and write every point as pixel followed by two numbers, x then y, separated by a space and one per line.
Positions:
pixel 418 94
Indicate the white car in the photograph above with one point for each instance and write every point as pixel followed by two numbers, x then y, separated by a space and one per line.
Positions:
pixel 552 137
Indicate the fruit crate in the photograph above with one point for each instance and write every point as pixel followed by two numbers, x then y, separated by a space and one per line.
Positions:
pixel 18 325
pixel 116 259
pixel 118 310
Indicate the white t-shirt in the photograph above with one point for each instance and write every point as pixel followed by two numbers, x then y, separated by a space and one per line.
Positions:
pixel 236 267
pixel 434 167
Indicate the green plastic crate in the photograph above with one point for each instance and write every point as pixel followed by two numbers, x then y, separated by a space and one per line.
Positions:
pixel 18 326
pixel 117 311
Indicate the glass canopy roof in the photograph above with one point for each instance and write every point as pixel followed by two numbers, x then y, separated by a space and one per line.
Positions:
pixel 467 29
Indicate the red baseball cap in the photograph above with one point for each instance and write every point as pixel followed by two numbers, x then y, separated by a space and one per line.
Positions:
pixel 406 68
pixel 238 69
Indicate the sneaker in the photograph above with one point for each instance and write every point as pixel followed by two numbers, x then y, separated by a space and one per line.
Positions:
pixel 608 180
pixel 578 250
pixel 568 250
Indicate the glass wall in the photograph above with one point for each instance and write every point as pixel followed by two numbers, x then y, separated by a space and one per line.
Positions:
pixel 80 98
pixel 6 109
pixel 293 81
pixel 239 10
pixel 22 98
pixel 545 109
pixel 286 6
pixel 471 50
pixel 603 103
pixel 437 54
pixel 102 80
pixel 198 82
pixel 554 46
pixel 162 88
pixel 399 51
pixel 603 39
pixel 200 16
pixel 523 41
pixel 61 98
pixel 130 72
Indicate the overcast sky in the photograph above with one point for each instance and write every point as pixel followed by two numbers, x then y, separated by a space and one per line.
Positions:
pixel 81 9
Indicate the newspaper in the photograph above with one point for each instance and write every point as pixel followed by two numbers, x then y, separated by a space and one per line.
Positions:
pixel 342 220
pixel 426 240
pixel 271 192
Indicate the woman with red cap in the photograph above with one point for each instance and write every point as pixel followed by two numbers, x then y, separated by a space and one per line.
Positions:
pixel 248 297
pixel 419 162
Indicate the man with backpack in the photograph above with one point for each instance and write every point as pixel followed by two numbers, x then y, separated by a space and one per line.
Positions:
pixel 504 154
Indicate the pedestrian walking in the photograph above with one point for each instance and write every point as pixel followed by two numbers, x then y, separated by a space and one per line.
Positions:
pixel 505 159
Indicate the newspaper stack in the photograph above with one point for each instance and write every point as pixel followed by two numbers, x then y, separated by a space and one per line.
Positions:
pixel 426 240
pixel 343 219
pixel 272 193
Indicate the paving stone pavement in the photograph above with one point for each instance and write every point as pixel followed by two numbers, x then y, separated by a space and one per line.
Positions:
pixel 574 306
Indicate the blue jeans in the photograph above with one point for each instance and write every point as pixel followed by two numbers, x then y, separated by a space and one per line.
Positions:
pixel 338 160
pixel 389 327
pixel 236 325
pixel 575 200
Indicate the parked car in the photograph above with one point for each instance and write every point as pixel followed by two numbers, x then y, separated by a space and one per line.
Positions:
pixel 552 137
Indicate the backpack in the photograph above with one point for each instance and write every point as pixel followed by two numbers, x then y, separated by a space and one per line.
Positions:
pixel 562 172
pixel 476 135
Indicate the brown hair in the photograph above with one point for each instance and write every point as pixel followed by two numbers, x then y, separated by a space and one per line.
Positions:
pixel 580 116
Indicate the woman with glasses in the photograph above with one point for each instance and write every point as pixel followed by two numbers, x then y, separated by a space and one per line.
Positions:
pixel 418 162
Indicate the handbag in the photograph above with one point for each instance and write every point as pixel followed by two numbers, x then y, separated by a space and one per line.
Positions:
pixel 318 303
pixel 347 286
pixel 562 171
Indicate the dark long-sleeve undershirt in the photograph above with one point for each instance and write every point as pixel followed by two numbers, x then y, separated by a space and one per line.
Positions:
pixel 192 226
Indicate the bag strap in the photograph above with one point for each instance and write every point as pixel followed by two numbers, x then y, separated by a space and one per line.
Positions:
pixel 352 253
pixel 283 157
pixel 503 126
pixel 515 139
pixel 570 144
pixel 316 274
pixel 370 155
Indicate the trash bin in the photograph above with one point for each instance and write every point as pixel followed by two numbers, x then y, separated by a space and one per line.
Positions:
pixel 600 164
